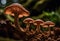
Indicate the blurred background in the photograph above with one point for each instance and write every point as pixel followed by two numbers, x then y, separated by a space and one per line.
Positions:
pixel 39 9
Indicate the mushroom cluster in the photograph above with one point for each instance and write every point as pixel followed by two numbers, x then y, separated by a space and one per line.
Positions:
pixel 18 11
pixel 38 23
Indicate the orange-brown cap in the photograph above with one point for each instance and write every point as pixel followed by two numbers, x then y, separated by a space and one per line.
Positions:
pixel 38 22
pixel 28 20
pixel 45 26
pixel 48 23
pixel 16 8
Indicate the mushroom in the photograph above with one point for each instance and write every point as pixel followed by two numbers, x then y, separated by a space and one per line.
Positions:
pixel 14 8
pixel 28 21
pixel 18 11
pixel 38 22
pixel 48 24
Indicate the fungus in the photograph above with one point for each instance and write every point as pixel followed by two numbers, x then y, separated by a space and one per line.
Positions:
pixel 38 22
pixel 18 11
pixel 28 21
pixel 49 24
pixel 16 8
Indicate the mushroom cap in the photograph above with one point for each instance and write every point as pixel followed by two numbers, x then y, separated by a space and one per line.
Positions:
pixel 48 24
pixel 16 8
pixel 45 26
pixel 38 22
pixel 28 20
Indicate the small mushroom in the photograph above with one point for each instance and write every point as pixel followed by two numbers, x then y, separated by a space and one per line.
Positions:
pixel 28 21
pixel 18 11
pixel 38 22
pixel 49 24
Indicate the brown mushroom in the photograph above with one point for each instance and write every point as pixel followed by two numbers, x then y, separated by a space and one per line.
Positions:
pixel 14 8
pixel 38 22
pixel 18 11
pixel 49 24
pixel 28 21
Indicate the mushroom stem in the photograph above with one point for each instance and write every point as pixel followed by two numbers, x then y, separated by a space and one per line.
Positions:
pixel 27 27
pixel 49 30
pixel 38 28
pixel 16 22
